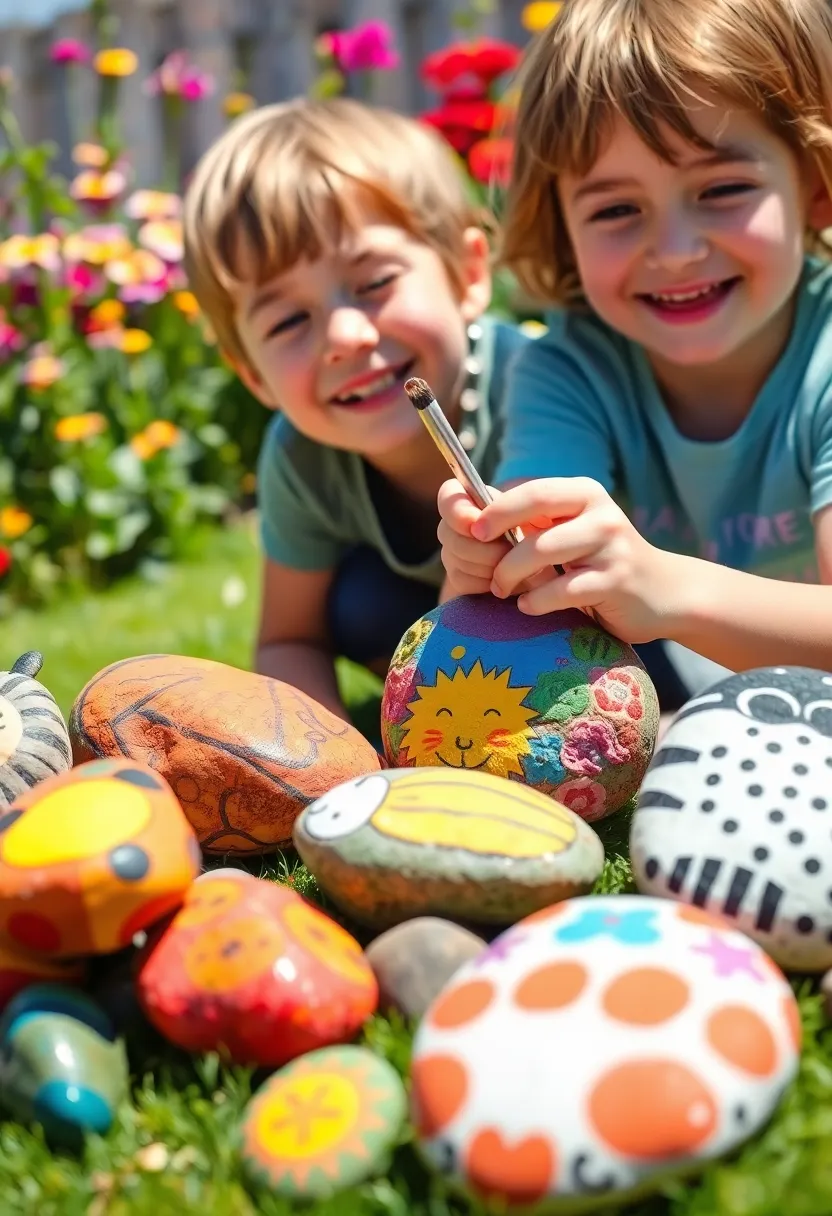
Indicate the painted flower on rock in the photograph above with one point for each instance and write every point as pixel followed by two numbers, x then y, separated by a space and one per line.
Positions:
pixel 583 796
pixel 589 744
pixel 543 766
pixel 633 927
pixel 617 691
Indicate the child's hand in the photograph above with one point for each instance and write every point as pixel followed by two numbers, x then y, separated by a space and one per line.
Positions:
pixel 469 564
pixel 609 568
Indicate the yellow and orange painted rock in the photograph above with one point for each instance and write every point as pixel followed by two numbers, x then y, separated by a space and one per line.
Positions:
pixel 91 857
pixel 250 969
pixel 244 753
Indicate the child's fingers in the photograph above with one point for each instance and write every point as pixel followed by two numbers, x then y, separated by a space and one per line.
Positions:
pixel 468 584
pixel 573 541
pixel 573 589
pixel 549 499
pixel 470 552
pixel 456 508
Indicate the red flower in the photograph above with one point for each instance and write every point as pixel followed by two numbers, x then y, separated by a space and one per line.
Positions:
pixel 485 59
pixel 617 690
pixel 463 123
pixel 490 160
pixel 5 561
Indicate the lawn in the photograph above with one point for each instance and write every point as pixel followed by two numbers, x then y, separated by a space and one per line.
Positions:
pixel 173 1148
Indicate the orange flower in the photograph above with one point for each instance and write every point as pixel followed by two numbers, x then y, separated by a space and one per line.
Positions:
pixel 155 438
pixel 42 371
pixel 14 521
pixel 116 61
pixel 236 104
pixel 134 341
pixel 540 13
pixel 187 304
pixel 90 156
pixel 107 314
pixel 79 426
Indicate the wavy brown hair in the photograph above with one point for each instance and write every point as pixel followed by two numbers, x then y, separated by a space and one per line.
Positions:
pixel 646 60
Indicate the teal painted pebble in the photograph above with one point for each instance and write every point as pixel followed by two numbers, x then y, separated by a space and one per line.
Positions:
pixel 61 1064
pixel 325 1122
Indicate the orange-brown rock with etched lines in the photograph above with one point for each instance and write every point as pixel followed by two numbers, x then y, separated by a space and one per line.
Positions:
pixel 244 753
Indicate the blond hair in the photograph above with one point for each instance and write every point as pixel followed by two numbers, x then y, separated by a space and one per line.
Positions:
pixel 645 60
pixel 286 180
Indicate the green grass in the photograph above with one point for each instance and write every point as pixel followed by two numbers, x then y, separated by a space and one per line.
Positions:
pixel 173 1149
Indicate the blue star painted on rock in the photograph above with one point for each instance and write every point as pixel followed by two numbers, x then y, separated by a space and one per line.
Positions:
pixel 631 928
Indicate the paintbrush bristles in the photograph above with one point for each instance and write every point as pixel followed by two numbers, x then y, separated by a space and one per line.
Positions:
pixel 419 392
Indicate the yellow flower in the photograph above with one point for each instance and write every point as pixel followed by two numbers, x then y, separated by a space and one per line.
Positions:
pixel 236 104
pixel 20 251
pixel 164 238
pixel 135 341
pixel 107 313
pixel 163 434
pixel 42 371
pixel 97 244
pixel 186 302
pixel 14 521
pixel 79 426
pixel 153 205
pixel 116 61
pixel 141 446
pixel 537 15
pixel 140 266
pixel 90 156
pixel 94 187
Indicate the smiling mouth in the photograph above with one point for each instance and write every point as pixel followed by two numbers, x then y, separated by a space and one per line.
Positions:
pixel 462 764
pixel 689 301
pixel 379 384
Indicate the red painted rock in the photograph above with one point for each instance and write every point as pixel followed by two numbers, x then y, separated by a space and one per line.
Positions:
pixel 91 857
pixel 244 753
pixel 249 969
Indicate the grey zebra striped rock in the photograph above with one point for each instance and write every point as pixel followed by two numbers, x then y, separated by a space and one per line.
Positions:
pixel 34 741
pixel 735 812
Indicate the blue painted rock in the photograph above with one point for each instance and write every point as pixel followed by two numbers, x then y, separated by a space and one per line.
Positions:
pixel 325 1122
pixel 440 841
pixel 91 857
pixel 243 753
pixel 554 702
pixel 61 1064
pixel 34 743
pixel 598 1048
pixel 735 813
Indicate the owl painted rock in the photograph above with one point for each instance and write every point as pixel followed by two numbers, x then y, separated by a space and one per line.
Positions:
pixel 250 969
pixel 244 753
pixel 597 1048
pixel 34 743
pixel 735 812
pixel 90 857
pixel 554 702
pixel 443 841
pixel 61 1064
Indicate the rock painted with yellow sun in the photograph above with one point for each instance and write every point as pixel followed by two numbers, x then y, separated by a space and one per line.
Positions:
pixel 443 842
pixel 554 702
pixel 323 1123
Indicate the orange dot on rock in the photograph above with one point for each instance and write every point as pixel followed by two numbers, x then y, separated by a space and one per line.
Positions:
pixel 742 1038
pixel 439 1086
pixel 652 1109
pixel 646 996
pixel 462 1004
pixel 521 1173
pixel 552 986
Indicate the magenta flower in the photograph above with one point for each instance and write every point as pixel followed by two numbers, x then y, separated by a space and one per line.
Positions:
pixel 366 48
pixel 178 77
pixel 11 339
pixel 69 50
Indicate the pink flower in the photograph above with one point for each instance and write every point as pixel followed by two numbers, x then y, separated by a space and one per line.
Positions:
pixel 590 743
pixel 11 339
pixel 399 689
pixel 586 798
pixel 617 691
pixel 366 48
pixel 178 77
pixel 69 50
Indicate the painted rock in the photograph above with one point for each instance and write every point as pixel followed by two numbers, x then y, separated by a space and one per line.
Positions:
pixel 597 1048
pixel 735 813
pixel 552 701
pixel 34 743
pixel 413 962
pixel 61 1064
pixel 243 753
pixel 249 969
pixel 19 971
pixel 91 857
pixel 411 842
pixel 826 989
pixel 323 1123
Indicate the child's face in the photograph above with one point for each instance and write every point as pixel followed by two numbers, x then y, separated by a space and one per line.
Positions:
pixel 332 340
pixel 696 261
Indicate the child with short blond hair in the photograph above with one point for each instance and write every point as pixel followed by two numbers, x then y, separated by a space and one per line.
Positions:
pixel 670 187
pixel 335 251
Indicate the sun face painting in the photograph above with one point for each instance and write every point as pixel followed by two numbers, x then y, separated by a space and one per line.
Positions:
pixel 473 720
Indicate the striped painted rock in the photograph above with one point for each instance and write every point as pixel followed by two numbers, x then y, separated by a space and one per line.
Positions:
pixel 34 742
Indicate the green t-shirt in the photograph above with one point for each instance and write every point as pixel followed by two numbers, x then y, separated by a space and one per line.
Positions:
pixel 316 502
pixel 583 401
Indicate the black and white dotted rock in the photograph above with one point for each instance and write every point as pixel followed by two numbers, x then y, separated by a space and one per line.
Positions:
pixel 735 812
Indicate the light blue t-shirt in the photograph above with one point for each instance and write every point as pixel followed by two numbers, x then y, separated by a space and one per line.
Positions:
pixel 583 401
